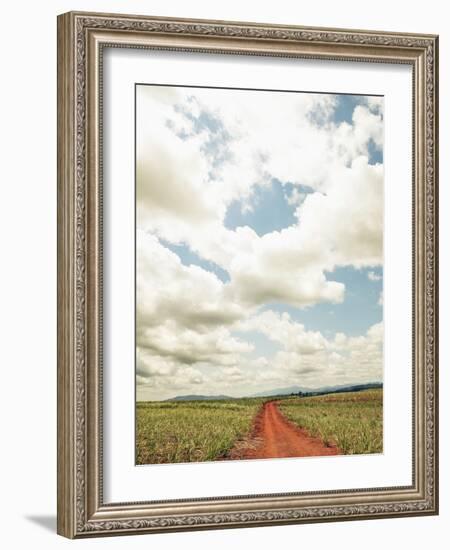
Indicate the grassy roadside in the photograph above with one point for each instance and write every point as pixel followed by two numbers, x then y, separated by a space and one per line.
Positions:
pixel 191 431
pixel 353 421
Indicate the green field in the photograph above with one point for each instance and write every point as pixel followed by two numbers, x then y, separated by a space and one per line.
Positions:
pixel 198 431
pixel 352 421
pixel 191 431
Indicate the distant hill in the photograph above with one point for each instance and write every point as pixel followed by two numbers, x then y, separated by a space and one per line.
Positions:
pixel 321 390
pixel 285 391
pixel 199 398
pixel 282 391
pixel 350 387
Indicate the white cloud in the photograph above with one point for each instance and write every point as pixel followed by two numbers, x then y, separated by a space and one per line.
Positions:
pixel 283 267
pixel 197 152
pixel 169 290
pixel 183 203
pixel 344 225
pixel 342 360
pixel 182 313
pixel 187 347
pixel 306 359
pixel 372 276
pixel 375 104
pixel 291 335
pixel 340 228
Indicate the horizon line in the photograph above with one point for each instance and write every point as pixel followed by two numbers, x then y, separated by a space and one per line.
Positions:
pixel 219 396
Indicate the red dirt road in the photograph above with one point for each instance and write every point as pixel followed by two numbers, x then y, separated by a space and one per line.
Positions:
pixel 275 437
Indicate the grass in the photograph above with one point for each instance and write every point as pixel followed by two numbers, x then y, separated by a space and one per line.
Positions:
pixel 199 431
pixel 352 421
pixel 191 431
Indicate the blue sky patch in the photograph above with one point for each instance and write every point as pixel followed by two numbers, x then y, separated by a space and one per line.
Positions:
pixel 375 154
pixel 216 146
pixel 345 106
pixel 270 211
pixel 354 316
pixel 188 257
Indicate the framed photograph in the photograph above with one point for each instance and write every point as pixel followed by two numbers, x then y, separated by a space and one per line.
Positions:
pixel 247 274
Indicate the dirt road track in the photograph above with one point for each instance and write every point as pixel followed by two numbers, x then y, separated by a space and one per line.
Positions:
pixel 275 437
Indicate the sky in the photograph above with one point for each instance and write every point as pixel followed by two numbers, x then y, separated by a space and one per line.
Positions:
pixel 259 240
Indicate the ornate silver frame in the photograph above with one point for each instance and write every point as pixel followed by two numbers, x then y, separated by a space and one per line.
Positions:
pixel 81 38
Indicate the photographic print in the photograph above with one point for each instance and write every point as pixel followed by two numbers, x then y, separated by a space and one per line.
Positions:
pixel 259 274
pixel 247 274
